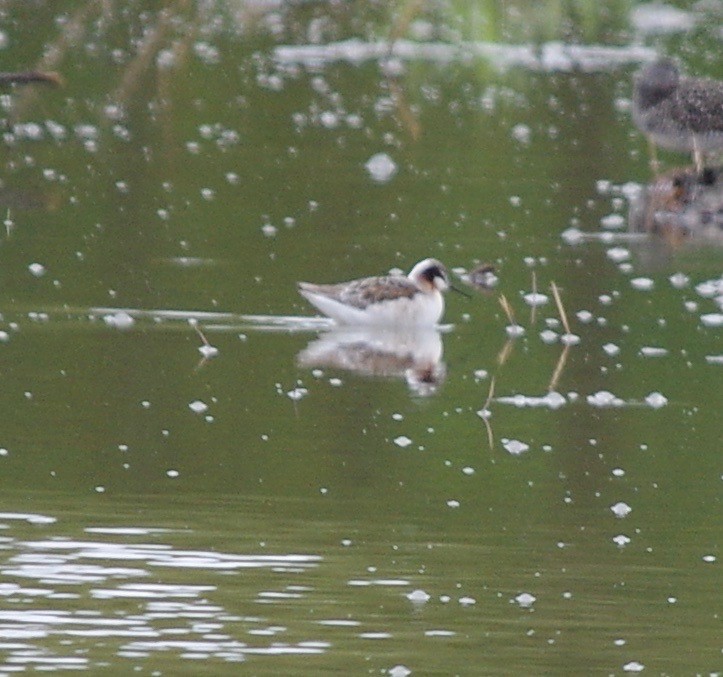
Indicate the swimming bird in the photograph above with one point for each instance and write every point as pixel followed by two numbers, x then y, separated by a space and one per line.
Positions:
pixel 398 300
pixel 678 113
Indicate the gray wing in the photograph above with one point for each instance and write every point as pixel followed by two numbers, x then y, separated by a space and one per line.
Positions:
pixel 362 293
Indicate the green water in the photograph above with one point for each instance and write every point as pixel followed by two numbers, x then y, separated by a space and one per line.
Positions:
pixel 166 513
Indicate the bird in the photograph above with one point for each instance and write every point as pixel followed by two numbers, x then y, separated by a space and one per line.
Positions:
pixel 391 300
pixel 679 113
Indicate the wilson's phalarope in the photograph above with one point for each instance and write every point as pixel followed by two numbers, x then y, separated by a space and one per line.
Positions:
pixel 411 300
pixel 678 113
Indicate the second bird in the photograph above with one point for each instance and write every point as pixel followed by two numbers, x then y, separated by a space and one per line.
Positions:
pixel 679 113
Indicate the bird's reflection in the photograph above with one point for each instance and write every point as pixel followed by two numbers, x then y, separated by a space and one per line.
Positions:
pixel 680 210
pixel 414 354
pixel 681 206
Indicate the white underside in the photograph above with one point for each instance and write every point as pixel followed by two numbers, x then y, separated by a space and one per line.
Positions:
pixel 420 310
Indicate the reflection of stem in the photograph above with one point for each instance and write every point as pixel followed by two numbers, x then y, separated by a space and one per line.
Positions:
pixel 401 23
pixel 490 394
pixel 406 117
pixel 486 413
pixel 146 51
pixel 490 436
pixel 71 35
pixel 559 367
pixel 400 26
pixel 560 307
pixel 501 359
pixel 179 51
pixel 202 362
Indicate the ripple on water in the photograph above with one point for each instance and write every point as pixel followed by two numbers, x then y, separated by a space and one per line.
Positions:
pixel 390 582
pixel 152 591
pixel 28 517
pixel 201 629
pixel 339 623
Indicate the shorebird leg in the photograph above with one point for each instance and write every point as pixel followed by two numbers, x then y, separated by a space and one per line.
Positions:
pixel 653 152
pixel 698 157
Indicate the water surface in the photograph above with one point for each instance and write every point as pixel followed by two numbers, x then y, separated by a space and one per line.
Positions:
pixel 458 502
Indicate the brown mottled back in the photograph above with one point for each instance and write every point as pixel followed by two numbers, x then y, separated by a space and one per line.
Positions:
pixel 362 293
pixel 699 105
